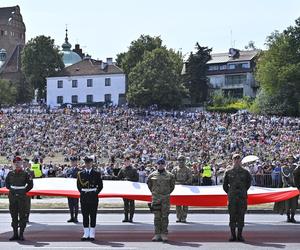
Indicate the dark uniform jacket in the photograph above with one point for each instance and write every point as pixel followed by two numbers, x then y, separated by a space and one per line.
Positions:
pixel 72 172
pixel 128 173
pixel 88 181
pixel 15 180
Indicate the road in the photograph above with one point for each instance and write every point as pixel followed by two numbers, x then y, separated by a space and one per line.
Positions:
pixel 205 231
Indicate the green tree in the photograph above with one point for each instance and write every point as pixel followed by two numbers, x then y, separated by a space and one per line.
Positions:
pixel 196 74
pixel 128 60
pixel 156 80
pixel 250 45
pixel 40 59
pixel 8 93
pixel 278 72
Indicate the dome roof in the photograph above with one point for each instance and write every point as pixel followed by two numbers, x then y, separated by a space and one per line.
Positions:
pixel 69 57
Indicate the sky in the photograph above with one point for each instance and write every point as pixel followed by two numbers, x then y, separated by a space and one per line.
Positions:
pixel 105 28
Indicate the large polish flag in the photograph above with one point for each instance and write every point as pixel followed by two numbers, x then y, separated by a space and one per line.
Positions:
pixel 182 195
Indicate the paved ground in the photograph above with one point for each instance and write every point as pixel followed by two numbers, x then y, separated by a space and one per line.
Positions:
pixel 205 231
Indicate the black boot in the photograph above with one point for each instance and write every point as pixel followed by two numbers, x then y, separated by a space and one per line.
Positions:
pixel 71 217
pixel 76 216
pixel 233 234
pixel 71 220
pixel 293 218
pixel 288 219
pixel 125 217
pixel 240 237
pixel 131 217
pixel 21 237
pixel 15 236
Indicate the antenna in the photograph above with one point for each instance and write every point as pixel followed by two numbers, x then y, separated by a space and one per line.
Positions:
pixel 230 38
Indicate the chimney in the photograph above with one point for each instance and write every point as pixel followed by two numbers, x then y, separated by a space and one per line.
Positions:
pixel 102 65
pixel 109 61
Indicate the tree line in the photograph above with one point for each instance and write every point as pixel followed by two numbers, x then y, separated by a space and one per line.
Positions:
pixel 154 73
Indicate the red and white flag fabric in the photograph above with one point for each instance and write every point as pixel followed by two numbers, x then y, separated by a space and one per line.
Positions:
pixel 182 195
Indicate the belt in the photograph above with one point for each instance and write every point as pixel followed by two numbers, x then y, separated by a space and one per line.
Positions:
pixel 89 189
pixel 18 187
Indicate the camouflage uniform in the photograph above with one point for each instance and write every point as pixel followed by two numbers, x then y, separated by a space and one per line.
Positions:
pixel 296 174
pixel 18 184
pixel 291 204
pixel 183 176
pixel 237 181
pixel 161 185
pixel 128 173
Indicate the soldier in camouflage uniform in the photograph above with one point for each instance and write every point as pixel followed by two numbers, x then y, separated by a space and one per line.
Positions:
pixel 291 204
pixel 183 176
pixel 237 181
pixel 296 175
pixel 161 184
pixel 18 182
pixel 128 173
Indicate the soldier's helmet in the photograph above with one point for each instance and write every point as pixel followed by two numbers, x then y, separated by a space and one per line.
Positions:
pixel 161 161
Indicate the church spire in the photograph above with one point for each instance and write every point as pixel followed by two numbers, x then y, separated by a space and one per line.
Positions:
pixel 66 39
pixel 66 45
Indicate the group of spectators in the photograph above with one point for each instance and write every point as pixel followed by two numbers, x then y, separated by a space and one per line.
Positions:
pixel 110 134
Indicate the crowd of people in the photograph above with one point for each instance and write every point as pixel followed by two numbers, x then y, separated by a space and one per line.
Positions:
pixel 110 134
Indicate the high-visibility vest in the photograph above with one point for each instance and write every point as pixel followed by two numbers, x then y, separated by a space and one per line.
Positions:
pixel 36 169
pixel 207 171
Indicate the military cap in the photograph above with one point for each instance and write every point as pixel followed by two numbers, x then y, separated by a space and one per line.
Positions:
pixel 73 158
pixel 161 161
pixel 17 159
pixel 88 158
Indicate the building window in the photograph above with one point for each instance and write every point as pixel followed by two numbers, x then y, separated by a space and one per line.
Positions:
pixel 59 84
pixel 213 67
pixel 89 82
pixel 245 66
pixel 107 97
pixel 74 98
pixel 235 79
pixel 107 81
pixel 223 67
pixel 74 84
pixel 231 66
pixel 60 99
pixel 89 98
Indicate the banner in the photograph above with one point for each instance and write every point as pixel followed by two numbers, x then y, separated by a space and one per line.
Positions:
pixel 182 195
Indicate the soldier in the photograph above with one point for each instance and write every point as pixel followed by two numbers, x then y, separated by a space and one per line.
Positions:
pixel 291 204
pixel 128 173
pixel 161 184
pixel 73 202
pixel 296 175
pixel 237 181
pixel 26 166
pixel 183 176
pixel 89 184
pixel 18 182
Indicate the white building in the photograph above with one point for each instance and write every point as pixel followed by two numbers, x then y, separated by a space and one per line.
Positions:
pixel 87 82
